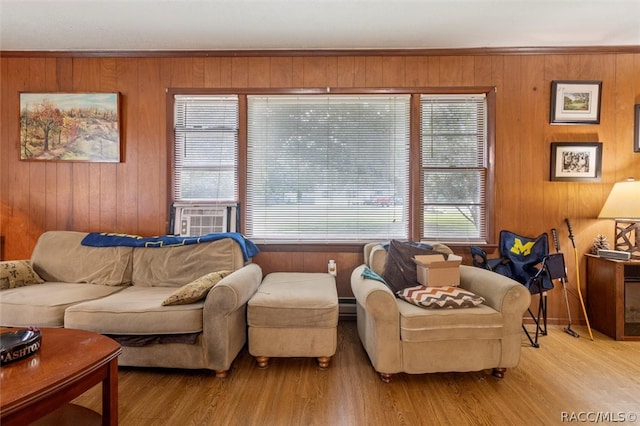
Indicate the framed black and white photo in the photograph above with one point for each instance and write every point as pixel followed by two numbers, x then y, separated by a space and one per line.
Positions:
pixel 636 129
pixel 576 161
pixel 575 102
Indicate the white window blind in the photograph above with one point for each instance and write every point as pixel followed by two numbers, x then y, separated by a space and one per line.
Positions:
pixel 206 146
pixel 327 168
pixel 454 167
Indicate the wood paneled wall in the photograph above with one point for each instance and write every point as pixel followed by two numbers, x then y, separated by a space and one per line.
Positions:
pixel 132 196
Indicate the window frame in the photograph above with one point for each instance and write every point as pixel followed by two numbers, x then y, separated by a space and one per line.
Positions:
pixel 485 231
pixel 415 186
pixel 185 131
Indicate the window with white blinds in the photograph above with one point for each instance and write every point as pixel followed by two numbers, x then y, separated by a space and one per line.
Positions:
pixel 454 167
pixel 327 168
pixel 205 148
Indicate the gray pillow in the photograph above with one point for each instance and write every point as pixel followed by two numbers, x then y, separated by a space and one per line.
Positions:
pixel 399 268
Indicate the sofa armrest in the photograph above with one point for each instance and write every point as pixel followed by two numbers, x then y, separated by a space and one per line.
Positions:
pixel 224 319
pixel 501 293
pixel 375 297
pixel 234 290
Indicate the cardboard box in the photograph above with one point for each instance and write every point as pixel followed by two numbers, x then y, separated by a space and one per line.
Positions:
pixel 434 270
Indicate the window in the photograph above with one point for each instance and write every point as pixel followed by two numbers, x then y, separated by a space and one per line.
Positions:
pixel 334 168
pixel 206 146
pixel 454 167
pixel 327 168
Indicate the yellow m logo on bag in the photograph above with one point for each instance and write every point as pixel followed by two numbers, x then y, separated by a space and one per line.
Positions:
pixel 519 248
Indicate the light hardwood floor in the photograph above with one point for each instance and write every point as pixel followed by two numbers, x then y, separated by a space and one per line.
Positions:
pixel 574 378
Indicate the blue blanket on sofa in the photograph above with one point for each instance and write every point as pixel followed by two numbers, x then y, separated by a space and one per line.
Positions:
pixel 104 239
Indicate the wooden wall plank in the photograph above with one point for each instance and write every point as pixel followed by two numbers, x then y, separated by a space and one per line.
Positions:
pixel 417 71
pixel 531 143
pixel 51 168
pixel 239 72
pixel 360 72
pixel 108 200
pixel 37 170
pixel 394 72
pixel 16 229
pixel 373 71
pixel 314 72
pixel 212 72
pixel 456 71
pixel 198 73
pixel 127 172
pixel 508 158
pixel 345 71
pixel 281 72
pixel 259 72
pixel 151 142
pixel 332 72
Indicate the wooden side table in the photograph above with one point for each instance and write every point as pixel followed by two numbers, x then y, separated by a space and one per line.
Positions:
pixel 68 363
pixel 613 297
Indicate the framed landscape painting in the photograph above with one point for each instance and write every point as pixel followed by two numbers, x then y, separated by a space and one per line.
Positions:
pixel 70 127
pixel 575 102
pixel 576 161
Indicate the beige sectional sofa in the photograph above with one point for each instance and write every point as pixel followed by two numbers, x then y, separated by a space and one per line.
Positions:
pixel 119 291
pixel 401 337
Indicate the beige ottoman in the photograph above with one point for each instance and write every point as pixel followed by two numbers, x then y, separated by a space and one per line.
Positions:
pixel 294 314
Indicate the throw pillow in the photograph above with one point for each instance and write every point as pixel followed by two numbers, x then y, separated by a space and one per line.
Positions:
pixel 440 297
pixel 195 290
pixel 17 273
pixel 399 268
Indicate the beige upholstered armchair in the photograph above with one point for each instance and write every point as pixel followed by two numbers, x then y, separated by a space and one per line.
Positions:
pixel 402 337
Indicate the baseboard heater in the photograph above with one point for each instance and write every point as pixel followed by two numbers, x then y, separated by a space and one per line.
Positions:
pixel 347 307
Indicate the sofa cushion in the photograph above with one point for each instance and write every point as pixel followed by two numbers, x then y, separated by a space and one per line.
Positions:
pixel 44 305
pixel 421 325
pixel 17 273
pixel 59 257
pixel 400 268
pixel 294 299
pixel 195 290
pixel 138 311
pixel 440 297
pixel 178 265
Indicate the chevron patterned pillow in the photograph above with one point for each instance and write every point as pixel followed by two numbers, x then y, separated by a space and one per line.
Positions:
pixel 440 297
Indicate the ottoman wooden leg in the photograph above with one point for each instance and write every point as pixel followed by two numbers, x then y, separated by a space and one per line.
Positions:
pixel 323 361
pixel 498 372
pixel 263 361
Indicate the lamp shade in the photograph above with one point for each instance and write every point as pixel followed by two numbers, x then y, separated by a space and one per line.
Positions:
pixel 623 201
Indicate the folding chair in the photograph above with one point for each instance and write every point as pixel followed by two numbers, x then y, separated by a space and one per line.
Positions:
pixel 524 259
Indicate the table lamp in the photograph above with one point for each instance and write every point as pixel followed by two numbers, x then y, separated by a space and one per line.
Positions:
pixel 623 205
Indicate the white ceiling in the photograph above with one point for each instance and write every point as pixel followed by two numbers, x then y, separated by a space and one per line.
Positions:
pixel 114 25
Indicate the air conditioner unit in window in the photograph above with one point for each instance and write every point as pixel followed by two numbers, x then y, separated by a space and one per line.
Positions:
pixel 192 220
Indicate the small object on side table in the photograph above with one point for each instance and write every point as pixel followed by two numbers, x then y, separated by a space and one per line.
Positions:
pixel 19 344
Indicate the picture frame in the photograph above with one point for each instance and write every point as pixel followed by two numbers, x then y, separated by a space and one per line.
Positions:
pixel 75 127
pixel 575 102
pixel 636 129
pixel 576 161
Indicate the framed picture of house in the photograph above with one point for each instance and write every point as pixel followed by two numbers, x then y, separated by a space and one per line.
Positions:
pixel 575 102
pixel 636 129
pixel 70 127
pixel 576 161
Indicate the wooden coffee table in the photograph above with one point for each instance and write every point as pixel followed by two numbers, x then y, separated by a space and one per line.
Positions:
pixel 68 363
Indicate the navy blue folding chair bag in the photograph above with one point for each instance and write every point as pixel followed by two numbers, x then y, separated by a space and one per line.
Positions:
pixel 525 257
